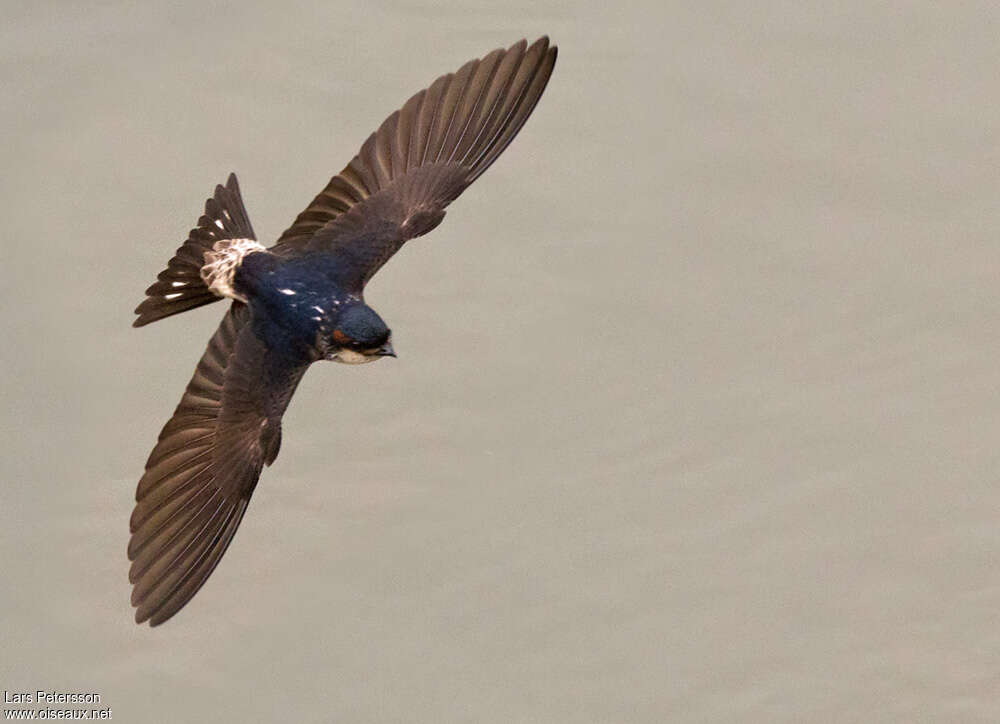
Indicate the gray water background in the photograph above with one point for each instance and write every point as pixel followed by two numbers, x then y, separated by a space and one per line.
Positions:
pixel 696 410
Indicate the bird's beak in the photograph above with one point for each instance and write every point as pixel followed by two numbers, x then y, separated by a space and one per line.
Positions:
pixel 386 350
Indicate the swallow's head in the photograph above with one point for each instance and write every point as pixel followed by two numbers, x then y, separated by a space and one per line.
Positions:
pixel 360 336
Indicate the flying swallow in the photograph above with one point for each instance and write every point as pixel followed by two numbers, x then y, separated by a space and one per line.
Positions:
pixel 298 302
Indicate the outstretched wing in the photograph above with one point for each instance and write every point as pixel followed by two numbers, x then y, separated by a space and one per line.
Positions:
pixel 204 468
pixel 421 158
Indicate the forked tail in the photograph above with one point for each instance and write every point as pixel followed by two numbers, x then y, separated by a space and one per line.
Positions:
pixel 179 287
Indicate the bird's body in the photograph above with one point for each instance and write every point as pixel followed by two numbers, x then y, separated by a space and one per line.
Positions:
pixel 298 302
pixel 293 299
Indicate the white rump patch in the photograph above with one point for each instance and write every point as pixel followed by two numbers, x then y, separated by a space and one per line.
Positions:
pixel 220 265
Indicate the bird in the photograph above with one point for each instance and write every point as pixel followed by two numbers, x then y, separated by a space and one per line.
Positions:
pixel 297 302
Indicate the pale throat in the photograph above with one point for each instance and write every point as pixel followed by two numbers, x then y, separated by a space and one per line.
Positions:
pixel 351 357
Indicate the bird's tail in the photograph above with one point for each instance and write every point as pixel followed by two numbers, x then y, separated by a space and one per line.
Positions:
pixel 179 287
